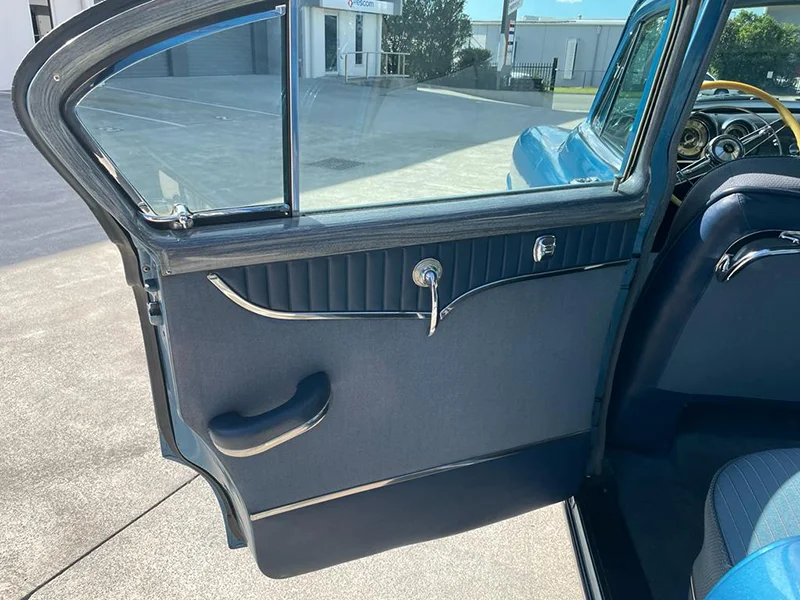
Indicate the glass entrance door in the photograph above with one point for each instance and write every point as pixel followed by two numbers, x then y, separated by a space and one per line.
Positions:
pixel 331 43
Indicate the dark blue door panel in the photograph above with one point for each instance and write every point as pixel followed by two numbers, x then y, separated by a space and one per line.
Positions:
pixel 419 509
pixel 421 436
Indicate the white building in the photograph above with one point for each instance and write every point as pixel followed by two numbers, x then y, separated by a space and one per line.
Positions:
pixel 583 47
pixel 343 34
pixel 335 36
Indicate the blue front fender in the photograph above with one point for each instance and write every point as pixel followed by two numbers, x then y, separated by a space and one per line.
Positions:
pixel 547 156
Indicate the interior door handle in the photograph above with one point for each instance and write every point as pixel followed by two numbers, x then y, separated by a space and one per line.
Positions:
pixel 236 435
pixel 427 274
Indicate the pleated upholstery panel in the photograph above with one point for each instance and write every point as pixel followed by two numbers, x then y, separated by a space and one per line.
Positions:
pixel 753 502
pixel 757 498
pixel 380 280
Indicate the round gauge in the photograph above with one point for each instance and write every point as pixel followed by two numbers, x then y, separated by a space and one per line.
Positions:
pixel 738 128
pixel 695 137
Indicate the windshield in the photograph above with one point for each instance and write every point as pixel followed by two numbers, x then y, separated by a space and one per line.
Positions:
pixel 759 46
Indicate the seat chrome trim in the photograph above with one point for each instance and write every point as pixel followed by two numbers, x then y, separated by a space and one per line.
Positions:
pixel 727 269
pixel 263 311
pixel 277 441
pixel 728 265
pixel 359 489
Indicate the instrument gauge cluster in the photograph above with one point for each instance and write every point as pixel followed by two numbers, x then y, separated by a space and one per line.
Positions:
pixel 699 130
pixel 738 128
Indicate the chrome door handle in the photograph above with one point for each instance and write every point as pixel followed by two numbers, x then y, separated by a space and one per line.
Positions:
pixel 426 275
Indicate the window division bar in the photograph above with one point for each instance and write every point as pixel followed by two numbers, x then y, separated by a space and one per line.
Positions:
pixel 291 74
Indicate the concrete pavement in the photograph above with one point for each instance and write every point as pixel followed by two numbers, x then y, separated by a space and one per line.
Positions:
pixel 90 510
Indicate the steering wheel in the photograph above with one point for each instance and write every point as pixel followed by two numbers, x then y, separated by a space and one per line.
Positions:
pixel 725 148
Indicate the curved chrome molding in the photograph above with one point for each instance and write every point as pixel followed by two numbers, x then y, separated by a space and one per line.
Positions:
pixel 262 311
pixel 279 510
pixel 277 441
pixel 727 268
pixel 749 238
pixel 493 284
pixel 305 316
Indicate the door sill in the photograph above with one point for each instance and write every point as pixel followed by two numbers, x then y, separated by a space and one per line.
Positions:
pixel 583 553
pixel 610 568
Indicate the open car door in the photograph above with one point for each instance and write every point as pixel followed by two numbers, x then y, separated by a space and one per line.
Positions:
pixel 363 371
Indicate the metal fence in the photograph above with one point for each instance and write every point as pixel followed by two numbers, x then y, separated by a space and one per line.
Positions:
pixel 534 77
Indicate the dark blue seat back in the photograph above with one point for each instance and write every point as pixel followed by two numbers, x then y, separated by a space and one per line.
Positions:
pixel 694 338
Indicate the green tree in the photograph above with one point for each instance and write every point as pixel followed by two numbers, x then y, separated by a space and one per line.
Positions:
pixel 754 44
pixel 432 32
pixel 472 57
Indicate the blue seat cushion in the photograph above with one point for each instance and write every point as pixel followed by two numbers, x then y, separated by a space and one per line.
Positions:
pixel 754 501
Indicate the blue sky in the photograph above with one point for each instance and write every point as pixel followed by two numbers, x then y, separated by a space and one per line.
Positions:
pixel 589 9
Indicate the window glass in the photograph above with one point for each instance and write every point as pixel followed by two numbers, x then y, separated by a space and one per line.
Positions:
pixel 416 100
pixel 197 120
pixel 759 46
pixel 628 89
pixel 399 101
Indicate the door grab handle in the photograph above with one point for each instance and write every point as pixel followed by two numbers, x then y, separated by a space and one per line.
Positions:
pixel 427 274
pixel 240 436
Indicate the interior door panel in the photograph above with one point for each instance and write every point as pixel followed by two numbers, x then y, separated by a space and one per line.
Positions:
pixel 511 369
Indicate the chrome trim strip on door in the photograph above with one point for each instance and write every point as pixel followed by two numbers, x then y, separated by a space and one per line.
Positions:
pixel 493 284
pixel 262 311
pixel 279 510
pixel 277 441
pixel 305 316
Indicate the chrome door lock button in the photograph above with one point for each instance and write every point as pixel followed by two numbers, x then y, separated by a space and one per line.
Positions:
pixel 544 247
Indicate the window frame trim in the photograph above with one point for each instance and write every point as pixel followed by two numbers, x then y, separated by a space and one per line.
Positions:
pixel 609 87
pixel 613 96
pixel 184 219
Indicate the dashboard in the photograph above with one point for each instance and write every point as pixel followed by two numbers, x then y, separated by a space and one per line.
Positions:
pixel 737 118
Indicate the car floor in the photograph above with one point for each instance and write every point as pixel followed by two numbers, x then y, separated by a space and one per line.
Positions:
pixel 662 497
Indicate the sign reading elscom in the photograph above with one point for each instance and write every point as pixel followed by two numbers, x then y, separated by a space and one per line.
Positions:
pixel 367 6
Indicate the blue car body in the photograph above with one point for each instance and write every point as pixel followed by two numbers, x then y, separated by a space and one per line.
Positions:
pixel 548 156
